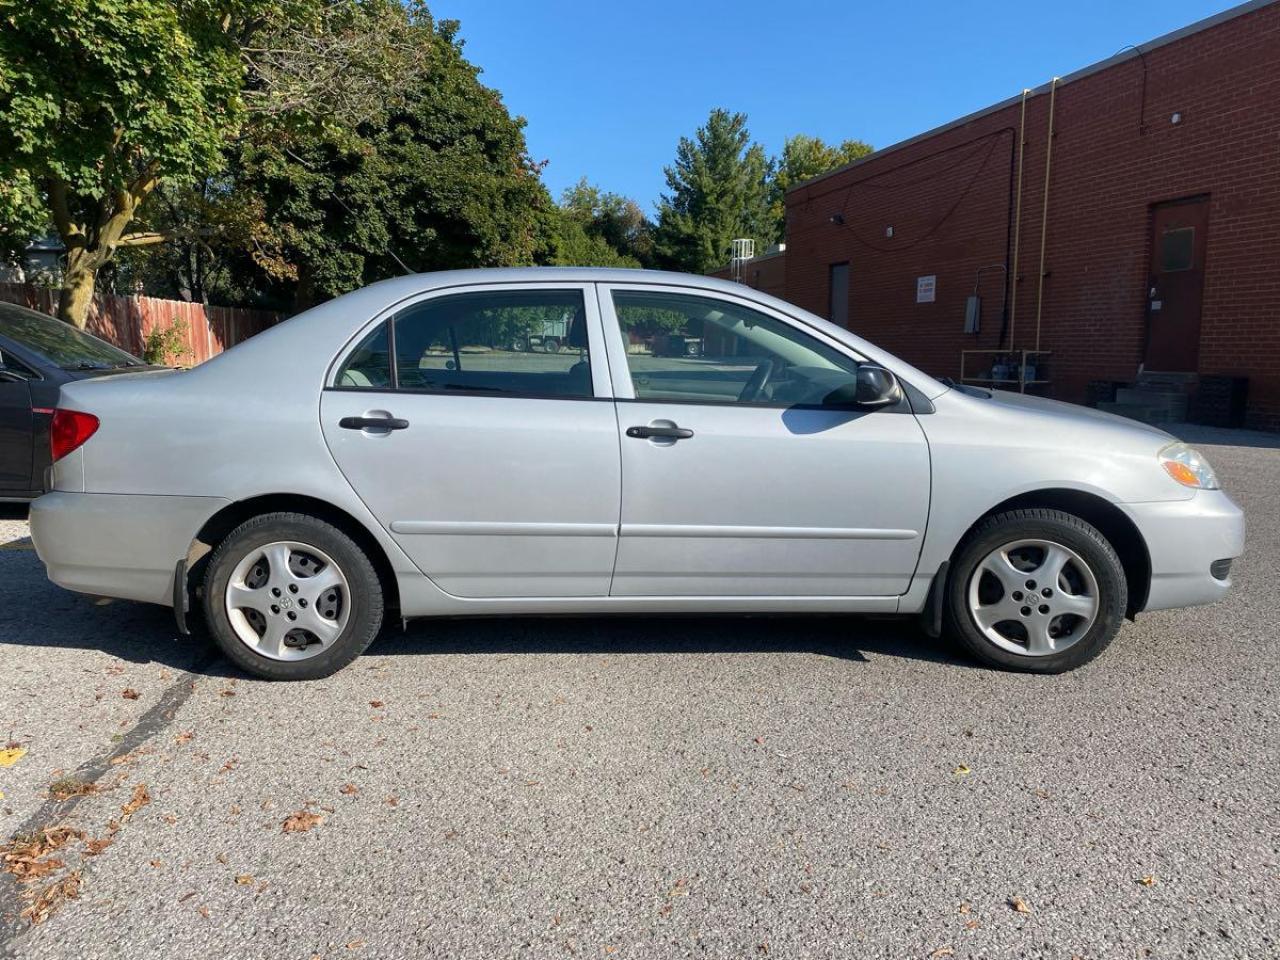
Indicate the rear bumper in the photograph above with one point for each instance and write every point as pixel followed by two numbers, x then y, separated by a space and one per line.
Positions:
pixel 117 545
pixel 1184 539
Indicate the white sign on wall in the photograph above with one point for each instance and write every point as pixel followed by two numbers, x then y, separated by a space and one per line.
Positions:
pixel 926 289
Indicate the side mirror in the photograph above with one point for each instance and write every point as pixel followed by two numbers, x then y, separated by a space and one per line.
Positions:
pixel 874 386
pixel 877 387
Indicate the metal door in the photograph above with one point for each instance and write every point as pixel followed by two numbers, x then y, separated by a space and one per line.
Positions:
pixel 1176 288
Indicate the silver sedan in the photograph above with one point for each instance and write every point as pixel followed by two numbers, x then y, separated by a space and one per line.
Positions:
pixel 534 441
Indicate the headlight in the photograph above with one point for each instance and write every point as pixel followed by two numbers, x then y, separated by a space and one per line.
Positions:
pixel 1188 467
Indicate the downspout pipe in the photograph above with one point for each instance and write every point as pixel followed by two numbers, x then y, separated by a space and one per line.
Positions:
pixel 1017 219
pixel 1044 216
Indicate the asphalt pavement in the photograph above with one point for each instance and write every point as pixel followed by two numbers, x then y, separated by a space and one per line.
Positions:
pixel 647 787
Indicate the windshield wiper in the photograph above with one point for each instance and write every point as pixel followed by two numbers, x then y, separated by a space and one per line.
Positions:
pixel 85 365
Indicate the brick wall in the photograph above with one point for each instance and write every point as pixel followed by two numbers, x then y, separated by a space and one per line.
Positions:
pixel 767 273
pixel 950 198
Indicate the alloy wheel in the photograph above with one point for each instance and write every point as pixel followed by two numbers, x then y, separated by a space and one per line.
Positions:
pixel 287 600
pixel 1033 597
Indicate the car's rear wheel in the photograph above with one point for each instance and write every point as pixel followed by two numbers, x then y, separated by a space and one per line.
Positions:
pixel 1036 590
pixel 290 597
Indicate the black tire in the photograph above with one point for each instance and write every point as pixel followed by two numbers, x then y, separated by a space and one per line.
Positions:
pixel 1037 524
pixel 364 618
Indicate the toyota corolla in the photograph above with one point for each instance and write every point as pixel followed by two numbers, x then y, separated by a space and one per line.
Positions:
pixel 589 441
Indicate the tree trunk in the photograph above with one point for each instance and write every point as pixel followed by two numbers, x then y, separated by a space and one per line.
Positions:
pixel 92 245
pixel 76 293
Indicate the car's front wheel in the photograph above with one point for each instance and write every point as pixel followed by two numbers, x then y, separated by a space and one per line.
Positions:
pixel 1036 590
pixel 290 597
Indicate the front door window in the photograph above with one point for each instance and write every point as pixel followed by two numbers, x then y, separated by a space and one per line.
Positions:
pixel 693 349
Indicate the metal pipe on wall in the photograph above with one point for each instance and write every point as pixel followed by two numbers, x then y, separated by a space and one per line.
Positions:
pixel 1017 219
pixel 1044 216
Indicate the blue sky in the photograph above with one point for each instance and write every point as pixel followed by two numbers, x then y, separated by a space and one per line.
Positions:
pixel 607 92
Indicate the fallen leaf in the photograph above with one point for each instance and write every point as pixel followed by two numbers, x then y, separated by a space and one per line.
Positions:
pixel 1018 905
pixel 66 787
pixel 1149 880
pixel 11 755
pixel 965 908
pixel 29 858
pixel 759 740
pixel 226 693
pixel 130 694
pixel 349 789
pixel 301 821
pixel 355 944
pixel 962 771
pixel 392 801
pixel 139 800
pixel 972 925
pixel 185 737
pixel 944 952
pixel 50 898
pixel 203 911
pixel 244 879
pixel 157 864
pixel 95 847
pixel 375 704
pixel 680 888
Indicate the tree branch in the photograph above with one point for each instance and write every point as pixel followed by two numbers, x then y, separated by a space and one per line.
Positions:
pixel 149 238
pixel 70 231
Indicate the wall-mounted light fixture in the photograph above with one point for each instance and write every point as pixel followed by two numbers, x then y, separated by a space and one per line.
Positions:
pixel 1176 118
pixel 888 232
pixel 837 219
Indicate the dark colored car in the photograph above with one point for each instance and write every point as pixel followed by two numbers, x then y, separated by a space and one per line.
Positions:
pixel 38 354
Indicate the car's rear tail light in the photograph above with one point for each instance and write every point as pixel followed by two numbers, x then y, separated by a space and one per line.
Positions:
pixel 69 429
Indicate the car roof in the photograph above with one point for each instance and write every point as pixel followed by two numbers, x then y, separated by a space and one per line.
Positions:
pixel 421 282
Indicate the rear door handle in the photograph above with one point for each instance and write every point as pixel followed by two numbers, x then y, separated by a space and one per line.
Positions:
pixel 659 433
pixel 373 423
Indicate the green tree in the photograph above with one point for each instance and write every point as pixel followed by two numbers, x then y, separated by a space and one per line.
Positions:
pixel 573 245
pixel 103 100
pixel 611 218
pixel 443 181
pixel 719 191
pixel 803 158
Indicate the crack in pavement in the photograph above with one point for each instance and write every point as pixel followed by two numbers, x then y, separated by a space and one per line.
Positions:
pixel 54 812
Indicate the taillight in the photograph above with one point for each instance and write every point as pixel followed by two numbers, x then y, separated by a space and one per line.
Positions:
pixel 69 429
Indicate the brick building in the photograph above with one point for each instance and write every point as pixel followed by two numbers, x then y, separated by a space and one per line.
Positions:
pixel 1142 235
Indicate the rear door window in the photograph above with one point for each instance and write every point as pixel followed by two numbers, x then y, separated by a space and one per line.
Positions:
pixel 529 343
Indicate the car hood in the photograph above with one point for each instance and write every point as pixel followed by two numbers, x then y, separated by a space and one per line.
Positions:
pixel 1077 415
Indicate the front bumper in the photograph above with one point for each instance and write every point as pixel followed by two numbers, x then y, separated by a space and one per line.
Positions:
pixel 1184 539
pixel 117 545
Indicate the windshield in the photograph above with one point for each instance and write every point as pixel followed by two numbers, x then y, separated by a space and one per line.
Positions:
pixel 60 343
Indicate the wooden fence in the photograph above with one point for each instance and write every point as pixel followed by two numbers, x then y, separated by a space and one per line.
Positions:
pixel 127 321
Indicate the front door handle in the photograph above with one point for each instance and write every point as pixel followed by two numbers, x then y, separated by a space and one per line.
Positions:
pixel 373 423
pixel 659 433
